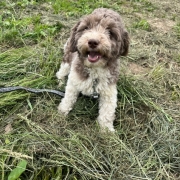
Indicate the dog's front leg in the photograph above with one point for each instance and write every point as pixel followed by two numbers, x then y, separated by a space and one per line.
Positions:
pixel 63 71
pixel 107 107
pixel 69 99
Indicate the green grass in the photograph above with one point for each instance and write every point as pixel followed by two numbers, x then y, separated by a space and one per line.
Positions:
pixel 142 24
pixel 177 30
pixel 37 143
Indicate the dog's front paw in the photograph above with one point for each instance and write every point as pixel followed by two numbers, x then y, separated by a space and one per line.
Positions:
pixel 106 126
pixel 60 82
pixel 61 78
pixel 105 129
pixel 63 110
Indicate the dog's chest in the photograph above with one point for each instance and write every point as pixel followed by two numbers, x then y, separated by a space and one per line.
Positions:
pixel 97 82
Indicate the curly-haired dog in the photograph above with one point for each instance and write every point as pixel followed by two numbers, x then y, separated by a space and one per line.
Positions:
pixel 91 60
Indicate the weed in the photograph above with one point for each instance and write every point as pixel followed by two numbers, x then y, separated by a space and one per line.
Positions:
pixel 142 24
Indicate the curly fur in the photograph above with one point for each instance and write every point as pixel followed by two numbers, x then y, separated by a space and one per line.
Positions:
pixel 92 51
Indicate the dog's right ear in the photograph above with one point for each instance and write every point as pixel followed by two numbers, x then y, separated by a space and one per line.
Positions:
pixel 125 43
pixel 73 38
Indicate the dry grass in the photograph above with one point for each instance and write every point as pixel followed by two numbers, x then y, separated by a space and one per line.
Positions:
pixel 146 143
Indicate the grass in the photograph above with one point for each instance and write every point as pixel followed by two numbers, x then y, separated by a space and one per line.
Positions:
pixel 177 29
pixel 142 24
pixel 37 143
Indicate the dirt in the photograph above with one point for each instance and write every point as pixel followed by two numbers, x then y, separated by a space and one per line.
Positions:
pixel 161 25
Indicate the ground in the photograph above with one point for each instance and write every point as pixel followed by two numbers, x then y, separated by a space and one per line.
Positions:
pixel 37 143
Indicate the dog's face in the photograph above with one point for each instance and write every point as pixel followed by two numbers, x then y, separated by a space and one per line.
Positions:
pixel 99 39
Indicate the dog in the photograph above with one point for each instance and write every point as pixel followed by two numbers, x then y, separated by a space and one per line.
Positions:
pixel 91 61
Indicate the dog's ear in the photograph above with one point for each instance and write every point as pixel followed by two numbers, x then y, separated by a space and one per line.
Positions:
pixel 73 38
pixel 125 43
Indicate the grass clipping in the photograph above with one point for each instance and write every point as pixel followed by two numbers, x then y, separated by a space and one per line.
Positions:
pixel 146 142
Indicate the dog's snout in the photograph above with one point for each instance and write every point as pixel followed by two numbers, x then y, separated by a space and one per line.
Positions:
pixel 93 43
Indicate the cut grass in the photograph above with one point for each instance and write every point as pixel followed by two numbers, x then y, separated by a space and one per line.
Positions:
pixel 146 142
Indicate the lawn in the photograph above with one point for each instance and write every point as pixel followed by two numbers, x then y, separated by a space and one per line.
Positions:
pixel 37 143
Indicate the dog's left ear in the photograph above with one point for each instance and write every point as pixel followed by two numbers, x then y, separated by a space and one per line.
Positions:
pixel 125 44
pixel 73 38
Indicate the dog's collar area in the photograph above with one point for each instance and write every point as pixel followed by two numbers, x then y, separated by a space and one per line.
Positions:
pixel 95 95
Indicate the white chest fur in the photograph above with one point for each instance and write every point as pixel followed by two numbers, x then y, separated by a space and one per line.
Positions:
pixel 87 86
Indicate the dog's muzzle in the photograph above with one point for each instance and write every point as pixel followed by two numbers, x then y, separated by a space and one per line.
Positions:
pixel 93 54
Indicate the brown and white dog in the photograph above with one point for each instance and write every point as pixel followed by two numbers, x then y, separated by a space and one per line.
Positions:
pixel 91 62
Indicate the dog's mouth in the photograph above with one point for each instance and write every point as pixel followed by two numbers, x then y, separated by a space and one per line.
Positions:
pixel 93 56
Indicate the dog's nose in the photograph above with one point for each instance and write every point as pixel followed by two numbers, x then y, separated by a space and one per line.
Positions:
pixel 93 43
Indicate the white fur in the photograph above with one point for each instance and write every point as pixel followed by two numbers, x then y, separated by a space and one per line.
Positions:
pixel 107 92
pixel 63 72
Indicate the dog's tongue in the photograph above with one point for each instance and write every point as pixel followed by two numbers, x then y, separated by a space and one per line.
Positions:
pixel 93 56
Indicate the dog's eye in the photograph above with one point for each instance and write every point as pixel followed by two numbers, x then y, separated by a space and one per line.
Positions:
pixel 83 28
pixel 86 28
pixel 111 34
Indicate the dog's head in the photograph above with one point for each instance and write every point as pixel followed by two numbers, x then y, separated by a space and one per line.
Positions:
pixel 99 37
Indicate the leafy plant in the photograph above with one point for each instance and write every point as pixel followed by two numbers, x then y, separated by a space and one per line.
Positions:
pixel 16 172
